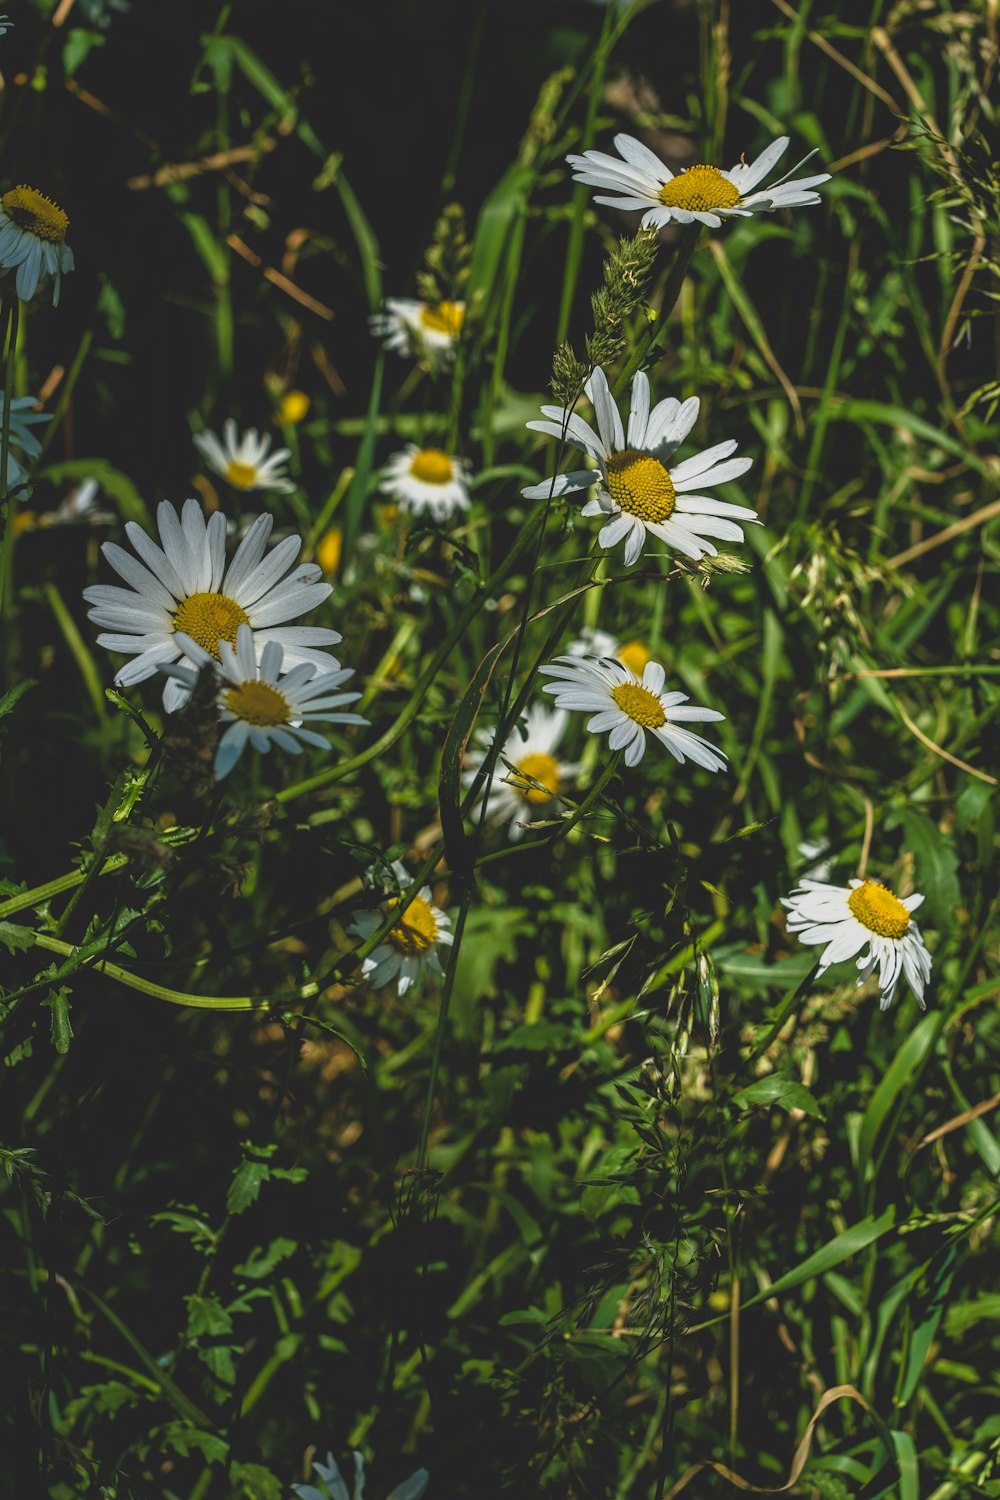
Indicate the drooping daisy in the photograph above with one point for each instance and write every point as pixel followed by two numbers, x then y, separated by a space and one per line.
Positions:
pixel 538 772
pixel 638 494
pixel 335 1488
pixel 262 705
pixel 630 707
pixel 186 587
pixel 33 239
pixel 411 948
pixel 705 194
pixel 417 328
pixel 864 914
pixel 427 479
pixel 243 461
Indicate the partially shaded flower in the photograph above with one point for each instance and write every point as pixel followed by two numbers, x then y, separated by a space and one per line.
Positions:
pixel 537 775
pixel 23 417
pixel 410 950
pixel 243 461
pixel 637 493
pixel 334 1488
pixel 33 240
pixel 427 479
pixel 428 329
pixel 630 708
pixel 261 704
pixel 186 587
pixel 863 915
pixel 707 195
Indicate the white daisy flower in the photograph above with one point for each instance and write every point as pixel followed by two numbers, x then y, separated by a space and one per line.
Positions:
pixel 411 948
pixel 335 1488
pixel 186 587
pixel 864 914
pixel 637 492
pixel 243 461
pixel 427 479
pixel 707 195
pixel 33 239
pixel 419 328
pixel 630 706
pixel 538 772
pixel 262 705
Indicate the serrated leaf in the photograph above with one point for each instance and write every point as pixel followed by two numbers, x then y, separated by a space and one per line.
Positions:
pixel 16 939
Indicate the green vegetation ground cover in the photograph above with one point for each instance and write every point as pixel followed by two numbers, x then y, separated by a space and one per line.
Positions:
pixel 630 1200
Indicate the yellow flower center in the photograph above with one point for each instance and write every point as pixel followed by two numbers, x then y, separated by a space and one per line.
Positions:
pixel 443 317
pixel 209 619
pixel 36 214
pixel 634 655
pixel 699 190
pixel 241 476
pixel 329 550
pixel 878 909
pixel 642 706
pixel 641 486
pixel 293 407
pixel 258 703
pixel 541 768
pixel 417 930
pixel 432 466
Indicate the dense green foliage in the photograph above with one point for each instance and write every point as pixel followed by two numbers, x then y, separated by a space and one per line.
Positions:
pixel 631 1188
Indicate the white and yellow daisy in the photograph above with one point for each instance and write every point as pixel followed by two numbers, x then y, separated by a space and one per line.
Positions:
pixel 630 706
pixel 538 774
pixel 430 329
pixel 637 493
pixel 243 461
pixel 33 239
pixel 701 194
pixel 864 914
pixel 185 587
pixel 427 479
pixel 410 951
pixel 262 705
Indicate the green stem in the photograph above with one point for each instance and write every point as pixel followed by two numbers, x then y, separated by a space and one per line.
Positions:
pixel 80 959
pixel 640 356
pixel 7 553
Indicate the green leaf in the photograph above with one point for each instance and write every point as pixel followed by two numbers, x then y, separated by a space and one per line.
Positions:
pixel 248 1179
pixel 906 1463
pixel 61 1030
pixel 16 939
pixel 11 696
pixel 206 1315
pixel 260 1262
pixel 833 1253
pixel 895 1080
pixel 786 1093
pixel 926 1315
pixel 79 42
pixel 256 1483
pixel 936 864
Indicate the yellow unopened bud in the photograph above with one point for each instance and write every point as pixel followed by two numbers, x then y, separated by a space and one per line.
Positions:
pixel 293 406
pixel 634 655
pixel 24 520
pixel 328 551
